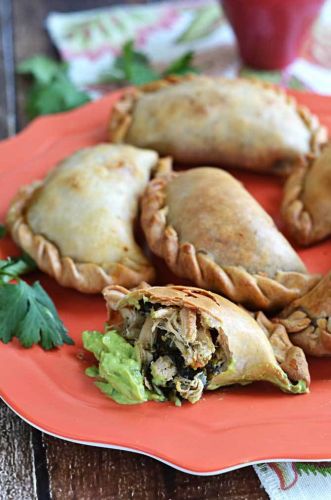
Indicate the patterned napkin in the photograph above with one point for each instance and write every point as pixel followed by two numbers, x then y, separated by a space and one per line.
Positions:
pixel 296 480
pixel 90 41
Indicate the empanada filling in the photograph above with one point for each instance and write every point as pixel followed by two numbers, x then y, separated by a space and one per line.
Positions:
pixel 179 349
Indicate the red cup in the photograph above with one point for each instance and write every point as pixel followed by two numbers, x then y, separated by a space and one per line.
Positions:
pixel 270 33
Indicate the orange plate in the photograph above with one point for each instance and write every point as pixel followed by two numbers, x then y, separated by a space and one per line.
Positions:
pixel 226 429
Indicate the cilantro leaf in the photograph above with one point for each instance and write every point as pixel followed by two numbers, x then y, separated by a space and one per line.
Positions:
pixel 13 267
pixel 28 313
pixel 134 67
pixel 181 66
pixel 43 69
pixel 13 305
pixel 51 90
pixel 59 95
pixel 131 67
pixel 2 231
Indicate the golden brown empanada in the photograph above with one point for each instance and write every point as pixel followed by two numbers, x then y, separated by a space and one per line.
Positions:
pixel 306 206
pixel 214 121
pixel 209 229
pixel 190 339
pixel 77 224
pixel 308 319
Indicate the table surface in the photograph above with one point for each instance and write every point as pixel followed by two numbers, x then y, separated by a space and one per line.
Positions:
pixel 32 464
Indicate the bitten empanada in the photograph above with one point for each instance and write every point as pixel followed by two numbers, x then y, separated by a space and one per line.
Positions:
pixel 209 229
pixel 190 339
pixel 308 320
pixel 77 224
pixel 200 120
pixel 306 206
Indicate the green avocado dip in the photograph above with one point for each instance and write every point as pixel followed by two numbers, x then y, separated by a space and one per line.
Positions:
pixel 118 374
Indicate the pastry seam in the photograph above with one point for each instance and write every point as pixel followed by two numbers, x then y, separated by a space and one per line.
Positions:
pixel 298 219
pixel 121 114
pixel 254 290
pixel 85 277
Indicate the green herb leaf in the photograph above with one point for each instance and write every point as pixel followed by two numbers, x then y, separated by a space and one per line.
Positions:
pixel 135 68
pixel 2 231
pixel 181 66
pixel 51 90
pixel 131 67
pixel 59 95
pixel 13 307
pixel 43 69
pixel 13 267
pixel 28 313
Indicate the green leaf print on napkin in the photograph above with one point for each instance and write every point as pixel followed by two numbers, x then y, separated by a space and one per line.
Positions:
pixel 205 21
pixel 323 468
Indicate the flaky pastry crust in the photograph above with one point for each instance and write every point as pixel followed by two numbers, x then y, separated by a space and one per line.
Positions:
pixel 306 206
pixel 291 358
pixel 85 277
pixel 78 223
pixel 308 320
pixel 274 160
pixel 235 323
pixel 256 290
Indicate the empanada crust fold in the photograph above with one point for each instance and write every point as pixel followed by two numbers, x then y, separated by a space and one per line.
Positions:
pixel 256 290
pixel 291 358
pixel 306 205
pixel 274 151
pixel 78 223
pixel 240 335
pixel 85 277
pixel 308 320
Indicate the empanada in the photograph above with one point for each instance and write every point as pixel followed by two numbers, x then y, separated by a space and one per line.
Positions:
pixel 308 320
pixel 209 229
pixel 215 121
pixel 306 206
pixel 77 224
pixel 190 339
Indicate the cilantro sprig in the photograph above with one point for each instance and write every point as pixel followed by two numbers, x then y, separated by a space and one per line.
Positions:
pixel 134 67
pixel 27 312
pixel 51 90
pixel 13 267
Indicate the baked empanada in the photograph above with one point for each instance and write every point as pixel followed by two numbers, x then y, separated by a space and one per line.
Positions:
pixel 77 224
pixel 308 320
pixel 214 121
pixel 190 339
pixel 306 206
pixel 209 229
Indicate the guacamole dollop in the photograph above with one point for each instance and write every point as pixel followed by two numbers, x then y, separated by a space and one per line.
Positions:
pixel 118 373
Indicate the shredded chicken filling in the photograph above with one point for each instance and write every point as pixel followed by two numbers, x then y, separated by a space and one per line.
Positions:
pixel 179 349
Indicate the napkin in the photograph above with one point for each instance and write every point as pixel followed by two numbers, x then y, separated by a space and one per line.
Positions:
pixel 90 41
pixel 296 480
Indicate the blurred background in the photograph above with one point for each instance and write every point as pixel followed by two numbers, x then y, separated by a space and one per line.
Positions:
pixel 106 45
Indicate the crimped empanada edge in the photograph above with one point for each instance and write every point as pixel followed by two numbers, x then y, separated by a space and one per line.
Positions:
pixel 298 219
pixel 256 291
pixel 308 320
pixel 84 277
pixel 121 113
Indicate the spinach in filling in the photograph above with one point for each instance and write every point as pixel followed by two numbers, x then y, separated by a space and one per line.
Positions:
pixel 178 349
